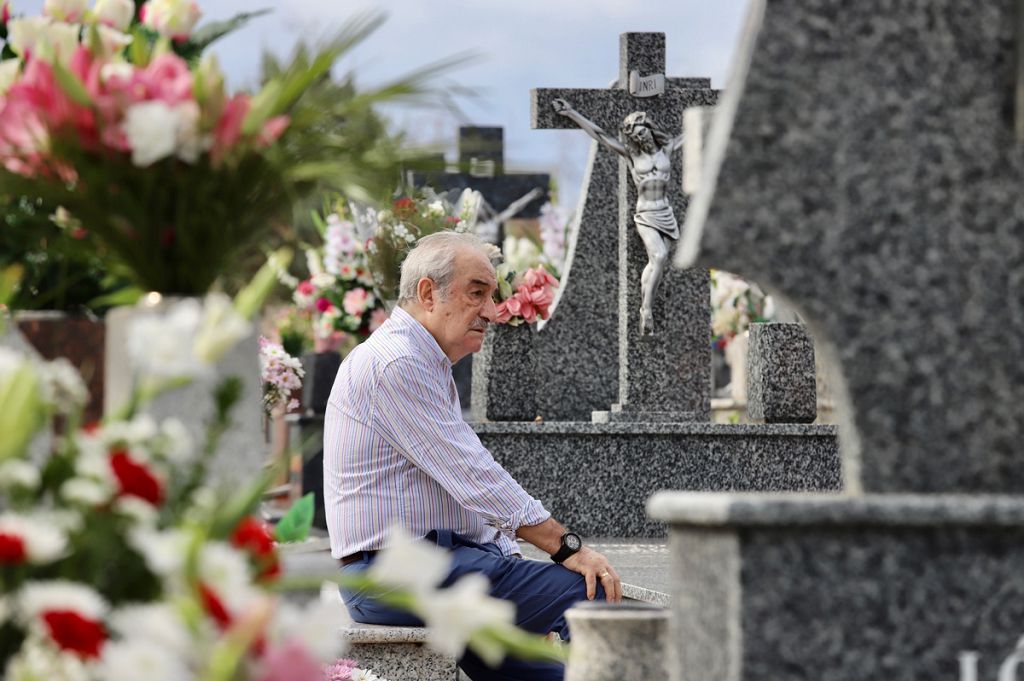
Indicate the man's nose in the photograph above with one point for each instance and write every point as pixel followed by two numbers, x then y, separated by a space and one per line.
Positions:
pixel 490 312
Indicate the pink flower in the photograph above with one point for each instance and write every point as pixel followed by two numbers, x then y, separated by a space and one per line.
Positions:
pixel 377 318
pixel 356 301
pixel 340 670
pixel 502 316
pixel 538 277
pixel 273 129
pixel 290 662
pixel 5 13
pixel 166 79
pixel 229 127
pixel 323 305
pixel 305 288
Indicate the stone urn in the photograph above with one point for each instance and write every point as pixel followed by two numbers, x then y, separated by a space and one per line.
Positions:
pixel 615 641
pixel 504 375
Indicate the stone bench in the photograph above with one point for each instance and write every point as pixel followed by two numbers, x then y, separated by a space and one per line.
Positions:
pixel 400 653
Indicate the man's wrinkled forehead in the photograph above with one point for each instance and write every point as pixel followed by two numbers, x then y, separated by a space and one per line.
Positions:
pixel 476 269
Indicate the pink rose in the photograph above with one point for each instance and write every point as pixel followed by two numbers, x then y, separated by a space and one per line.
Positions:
pixel 305 288
pixel 356 301
pixel 229 127
pixel 167 79
pixel 377 318
pixel 323 305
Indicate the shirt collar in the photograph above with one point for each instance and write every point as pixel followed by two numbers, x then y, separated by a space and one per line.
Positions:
pixel 423 337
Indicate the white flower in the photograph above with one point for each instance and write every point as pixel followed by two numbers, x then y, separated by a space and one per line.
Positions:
pixel 171 18
pixel 36 598
pixel 62 386
pixel 86 491
pixel 9 69
pixel 151 128
pixel 454 614
pixel 66 10
pixel 15 473
pixel 384 215
pixel 112 40
pixel 115 13
pixel 37 660
pixel 164 552
pixel 116 69
pixel 222 327
pixel 24 33
pixel 161 344
pixel 313 263
pixel 177 442
pixel 226 570
pixel 435 209
pixel 410 563
pixel 135 659
pixel 358 674
pixel 59 41
pixel 318 626
pixel 157 623
pixel 43 543
pixel 190 142
pixel 139 510
pixel 400 231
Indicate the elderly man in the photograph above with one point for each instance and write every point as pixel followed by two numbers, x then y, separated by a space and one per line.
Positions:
pixel 396 450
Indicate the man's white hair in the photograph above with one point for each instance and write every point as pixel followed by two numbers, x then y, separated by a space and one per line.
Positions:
pixel 433 258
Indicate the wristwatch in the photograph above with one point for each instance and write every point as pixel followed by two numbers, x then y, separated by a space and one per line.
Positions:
pixel 571 543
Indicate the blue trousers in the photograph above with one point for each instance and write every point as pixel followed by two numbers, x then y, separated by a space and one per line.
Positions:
pixel 542 592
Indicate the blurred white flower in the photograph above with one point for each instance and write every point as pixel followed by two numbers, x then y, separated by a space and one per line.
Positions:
pixel 435 209
pixel 135 659
pixel 37 660
pixel 66 10
pixel 24 33
pixel 39 539
pixel 177 442
pixel 151 130
pixel 9 69
pixel 115 13
pixel 17 473
pixel 61 386
pixel 160 344
pixel 226 570
pixel 112 41
pixel 86 491
pixel 163 551
pixel 159 623
pixel 358 674
pixel 317 626
pixel 391 566
pixel 189 140
pixel 454 614
pixel 222 327
pixel 139 510
pixel 170 18
pixel 36 598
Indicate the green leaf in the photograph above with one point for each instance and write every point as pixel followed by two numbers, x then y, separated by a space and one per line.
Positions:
pixel 21 411
pixel 295 524
pixel 129 295
pixel 243 503
pixel 70 84
pixel 10 282
pixel 211 32
pixel 250 298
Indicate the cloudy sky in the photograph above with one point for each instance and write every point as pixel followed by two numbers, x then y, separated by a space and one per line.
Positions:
pixel 522 45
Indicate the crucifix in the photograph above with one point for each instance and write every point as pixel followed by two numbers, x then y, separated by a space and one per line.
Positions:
pixel 663 326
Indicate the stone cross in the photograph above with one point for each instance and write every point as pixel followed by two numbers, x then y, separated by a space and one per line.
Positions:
pixel 665 376
pixel 482 167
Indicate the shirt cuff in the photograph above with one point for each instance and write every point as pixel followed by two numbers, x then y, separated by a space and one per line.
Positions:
pixel 533 513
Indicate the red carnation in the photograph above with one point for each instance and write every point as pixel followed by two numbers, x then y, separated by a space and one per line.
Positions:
pixel 214 606
pixel 12 549
pixel 452 220
pixel 73 632
pixel 255 537
pixel 135 479
pixel 405 203
pixel 323 305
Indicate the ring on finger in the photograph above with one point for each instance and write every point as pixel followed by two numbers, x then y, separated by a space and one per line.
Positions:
pixel 603 575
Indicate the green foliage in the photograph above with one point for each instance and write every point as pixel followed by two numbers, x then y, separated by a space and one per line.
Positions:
pixel 295 524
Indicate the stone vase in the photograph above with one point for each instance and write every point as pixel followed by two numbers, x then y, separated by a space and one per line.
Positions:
pixel 611 642
pixel 736 357
pixel 504 375
pixel 243 449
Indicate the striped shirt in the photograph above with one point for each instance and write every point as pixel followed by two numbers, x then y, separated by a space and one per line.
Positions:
pixel 396 450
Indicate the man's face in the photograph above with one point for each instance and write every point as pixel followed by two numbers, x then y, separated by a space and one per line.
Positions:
pixel 460 319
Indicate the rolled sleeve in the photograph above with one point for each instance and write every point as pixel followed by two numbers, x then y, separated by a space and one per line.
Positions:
pixel 413 414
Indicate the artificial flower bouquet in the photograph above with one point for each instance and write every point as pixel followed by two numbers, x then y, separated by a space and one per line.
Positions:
pixel 524 298
pixel 396 231
pixel 338 297
pixel 282 376
pixel 735 305
pixel 176 176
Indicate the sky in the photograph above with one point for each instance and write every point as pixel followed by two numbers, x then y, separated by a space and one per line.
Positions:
pixel 520 44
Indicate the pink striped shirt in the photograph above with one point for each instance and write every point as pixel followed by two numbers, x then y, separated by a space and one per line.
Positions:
pixel 396 449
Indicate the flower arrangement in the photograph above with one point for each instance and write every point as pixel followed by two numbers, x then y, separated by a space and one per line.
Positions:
pixel 735 305
pixel 177 177
pixel 347 670
pixel 526 298
pixel 338 297
pixel 396 231
pixel 282 374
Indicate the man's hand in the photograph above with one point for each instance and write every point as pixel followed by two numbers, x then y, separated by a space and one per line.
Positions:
pixel 594 567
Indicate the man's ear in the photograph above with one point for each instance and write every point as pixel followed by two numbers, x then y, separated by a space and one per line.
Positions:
pixel 426 293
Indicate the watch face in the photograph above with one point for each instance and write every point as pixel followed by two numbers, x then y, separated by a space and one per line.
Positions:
pixel 573 541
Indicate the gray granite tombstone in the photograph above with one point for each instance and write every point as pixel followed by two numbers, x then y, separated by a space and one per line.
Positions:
pixel 863 163
pixel 482 167
pixel 781 377
pixel 661 377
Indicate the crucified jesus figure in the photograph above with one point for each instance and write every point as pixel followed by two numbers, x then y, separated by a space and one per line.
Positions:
pixel 489 221
pixel 647 150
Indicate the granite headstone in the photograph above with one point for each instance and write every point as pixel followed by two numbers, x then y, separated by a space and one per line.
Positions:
pixel 781 376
